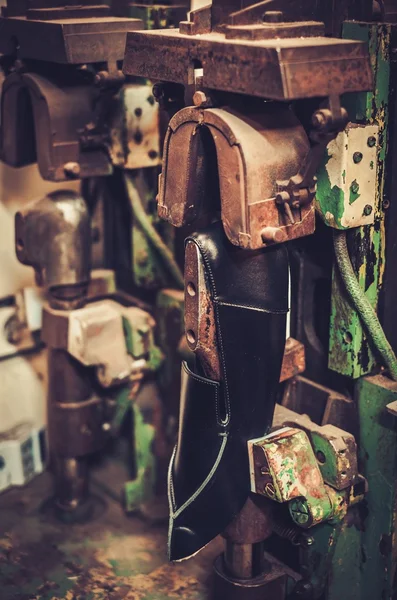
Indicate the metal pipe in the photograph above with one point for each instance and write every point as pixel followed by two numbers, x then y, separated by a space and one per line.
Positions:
pixel 244 561
pixel 68 383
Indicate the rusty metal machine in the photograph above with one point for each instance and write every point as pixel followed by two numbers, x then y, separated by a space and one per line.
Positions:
pixel 67 106
pixel 256 143
pixel 287 113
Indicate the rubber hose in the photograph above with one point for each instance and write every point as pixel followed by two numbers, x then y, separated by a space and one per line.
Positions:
pixel 362 305
pixel 151 233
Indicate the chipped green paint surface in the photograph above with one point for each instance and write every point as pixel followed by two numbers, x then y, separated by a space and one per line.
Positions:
pixel 147 263
pixel 346 183
pixel 349 351
pixel 365 557
pixel 316 559
pixel 378 452
pixel 141 489
pixel 360 562
pixel 294 476
pixel 170 331
pixel 140 342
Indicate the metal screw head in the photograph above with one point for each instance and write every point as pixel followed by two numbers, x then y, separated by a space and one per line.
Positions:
pixel 386 204
pixel 354 187
pixel 299 511
pixel 306 541
pixel 367 210
pixel 273 235
pixel 371 141
pixel 158 91
pixel 270 490
pixel 72 169
pixel 322 118
pixel 357 157
pixel 199 98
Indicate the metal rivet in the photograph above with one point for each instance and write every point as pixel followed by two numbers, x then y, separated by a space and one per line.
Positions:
pixel 354 187
pixel 357 157
pixel 158 91
pixel 347 337
pixel 367 210
pixel 72 169
pixel 371 141
pixel 386 204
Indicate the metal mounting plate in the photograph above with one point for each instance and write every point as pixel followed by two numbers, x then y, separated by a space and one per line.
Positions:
pixel 69 41
pixel 346 190
pixel 281 69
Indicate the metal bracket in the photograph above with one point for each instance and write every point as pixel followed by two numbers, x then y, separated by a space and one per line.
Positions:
pixel 346 195
pixel 301 188
pixel 117 340
pixel 284 468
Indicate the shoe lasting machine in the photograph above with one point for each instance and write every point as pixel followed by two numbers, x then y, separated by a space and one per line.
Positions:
pixel 279 166
pixel 288 112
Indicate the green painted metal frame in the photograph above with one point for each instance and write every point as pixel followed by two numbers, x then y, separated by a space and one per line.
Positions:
pixel 365 557
pixel 349 351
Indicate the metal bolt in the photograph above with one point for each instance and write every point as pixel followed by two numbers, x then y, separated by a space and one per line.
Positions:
pixel 273 234
pixel 273 16
pixel 306 540
pixel 199 98
pixel 72 169
pixel 367 210
pixel 354 187
pixel 386 204
pixel 371 141
pixel 321 118
pixel 158 91
pixel 101 77
pixel 299 511
pixel 357 157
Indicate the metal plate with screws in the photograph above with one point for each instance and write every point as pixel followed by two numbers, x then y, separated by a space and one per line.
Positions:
pixel 347 180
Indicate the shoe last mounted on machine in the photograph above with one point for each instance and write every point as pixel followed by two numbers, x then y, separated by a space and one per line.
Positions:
pixel 250 164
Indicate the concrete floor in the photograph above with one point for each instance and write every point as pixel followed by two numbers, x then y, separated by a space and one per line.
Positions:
pixel 110 558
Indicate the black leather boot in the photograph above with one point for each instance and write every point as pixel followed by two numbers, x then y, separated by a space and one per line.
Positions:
pixel 209 478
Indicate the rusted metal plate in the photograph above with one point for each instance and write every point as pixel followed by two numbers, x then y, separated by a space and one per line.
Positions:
pixel 293 360
pixel 200 321
pixel 252 155
pixel 334 448
pixel 65 114
pixel 278 69
pixel 73 41
pixel 283 468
